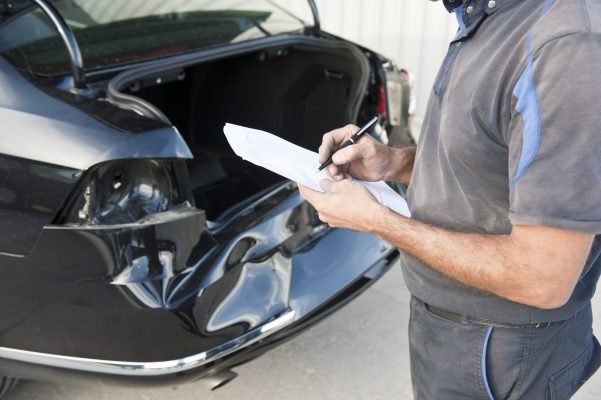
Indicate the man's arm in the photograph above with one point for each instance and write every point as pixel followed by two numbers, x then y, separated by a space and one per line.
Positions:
pixel 534 265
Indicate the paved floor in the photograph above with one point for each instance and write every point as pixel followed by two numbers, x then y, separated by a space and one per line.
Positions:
pixel 358 353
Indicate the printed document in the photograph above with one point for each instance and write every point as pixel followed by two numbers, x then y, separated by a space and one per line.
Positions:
pixel 296 163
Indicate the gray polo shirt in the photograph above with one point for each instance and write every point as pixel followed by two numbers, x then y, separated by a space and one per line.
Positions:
pixel 512 136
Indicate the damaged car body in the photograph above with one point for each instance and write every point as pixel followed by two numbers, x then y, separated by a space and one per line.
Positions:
pixel 134 245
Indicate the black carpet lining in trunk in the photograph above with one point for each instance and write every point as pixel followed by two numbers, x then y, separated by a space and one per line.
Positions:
pixel 296 94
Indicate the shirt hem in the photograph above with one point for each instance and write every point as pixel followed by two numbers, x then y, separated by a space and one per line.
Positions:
pixel 553 222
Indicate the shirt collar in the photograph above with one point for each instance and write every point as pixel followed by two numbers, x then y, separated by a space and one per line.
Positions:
pixel 488 6
pixel 452 4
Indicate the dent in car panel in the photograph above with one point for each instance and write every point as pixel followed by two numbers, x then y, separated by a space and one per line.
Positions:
pixel 261 292
pixel 192 286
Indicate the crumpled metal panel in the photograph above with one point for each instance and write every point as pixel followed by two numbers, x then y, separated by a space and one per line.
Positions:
pixel 255 265
pixel 261 293
pixel 174 285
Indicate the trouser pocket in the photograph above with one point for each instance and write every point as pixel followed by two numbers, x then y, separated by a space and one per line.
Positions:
pixel 564 383
pixel 448 358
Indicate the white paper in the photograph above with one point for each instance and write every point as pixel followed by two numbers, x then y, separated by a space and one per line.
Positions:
pixel 296 163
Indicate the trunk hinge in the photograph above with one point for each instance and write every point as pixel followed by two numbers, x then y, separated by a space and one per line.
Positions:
pixel 316 19
pixel 75 58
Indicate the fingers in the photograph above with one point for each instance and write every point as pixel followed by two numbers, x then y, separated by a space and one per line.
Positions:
pixel 330 186
pixel 335 172
pixel 332 140
pixel 362 150
pixel 327 185
pixel 327 147
pixel 308 194
pixel 311 195
pixel 338 172
pixel 348 154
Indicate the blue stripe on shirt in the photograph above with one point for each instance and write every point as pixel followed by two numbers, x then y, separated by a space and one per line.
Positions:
pixel 546 7
pixel 529 108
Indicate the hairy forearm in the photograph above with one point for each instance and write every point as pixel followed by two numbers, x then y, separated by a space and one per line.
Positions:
pixel 523 267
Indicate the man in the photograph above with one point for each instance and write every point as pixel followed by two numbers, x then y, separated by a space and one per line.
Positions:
pixel 501 254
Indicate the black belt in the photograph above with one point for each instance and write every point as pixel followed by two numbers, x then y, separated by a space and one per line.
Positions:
pixel 467 319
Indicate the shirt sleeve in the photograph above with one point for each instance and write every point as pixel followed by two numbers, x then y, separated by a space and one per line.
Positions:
pixel 554 137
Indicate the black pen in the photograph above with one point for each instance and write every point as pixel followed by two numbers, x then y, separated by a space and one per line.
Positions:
pixel 352 140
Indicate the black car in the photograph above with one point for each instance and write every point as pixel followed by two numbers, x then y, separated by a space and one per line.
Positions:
pixel 134 244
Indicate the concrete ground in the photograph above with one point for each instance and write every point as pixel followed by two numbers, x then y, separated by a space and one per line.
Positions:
pixel 358 353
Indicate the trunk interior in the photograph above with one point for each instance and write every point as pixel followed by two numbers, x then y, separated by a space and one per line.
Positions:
pixel 297 93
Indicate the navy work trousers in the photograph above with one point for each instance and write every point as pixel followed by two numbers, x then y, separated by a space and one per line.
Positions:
pixel 453 359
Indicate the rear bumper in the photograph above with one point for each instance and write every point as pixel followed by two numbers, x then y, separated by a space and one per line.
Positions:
pixel 171 299
pixel 150 369
pixel 50 367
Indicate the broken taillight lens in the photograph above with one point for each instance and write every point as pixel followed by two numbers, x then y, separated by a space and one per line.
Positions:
pixel 125 191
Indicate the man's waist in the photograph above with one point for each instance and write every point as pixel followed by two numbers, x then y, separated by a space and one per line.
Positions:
pixel 468 319
pixel 445 294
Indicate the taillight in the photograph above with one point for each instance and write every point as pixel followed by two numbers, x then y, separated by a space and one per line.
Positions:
pixel 125 191
pixel 381 107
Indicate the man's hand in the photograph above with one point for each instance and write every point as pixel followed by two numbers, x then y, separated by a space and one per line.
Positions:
pixel 367 159
pixel 344 204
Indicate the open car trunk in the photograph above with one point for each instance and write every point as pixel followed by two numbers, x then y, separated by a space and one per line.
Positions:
pixel 261 267
pixel 202 287
pixel 296 92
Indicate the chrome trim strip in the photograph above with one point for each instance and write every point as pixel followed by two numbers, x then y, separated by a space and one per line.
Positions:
pixel 12 255
pixel 150 368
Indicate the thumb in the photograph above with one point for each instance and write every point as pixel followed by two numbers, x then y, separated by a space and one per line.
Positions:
pixel 308 194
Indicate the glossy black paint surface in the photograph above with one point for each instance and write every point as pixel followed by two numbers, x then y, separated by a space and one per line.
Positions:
pixel 40 127
pixel 173 287
pixel 105 112
pixel 32 371
pixel 30 195
pixel 169 285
